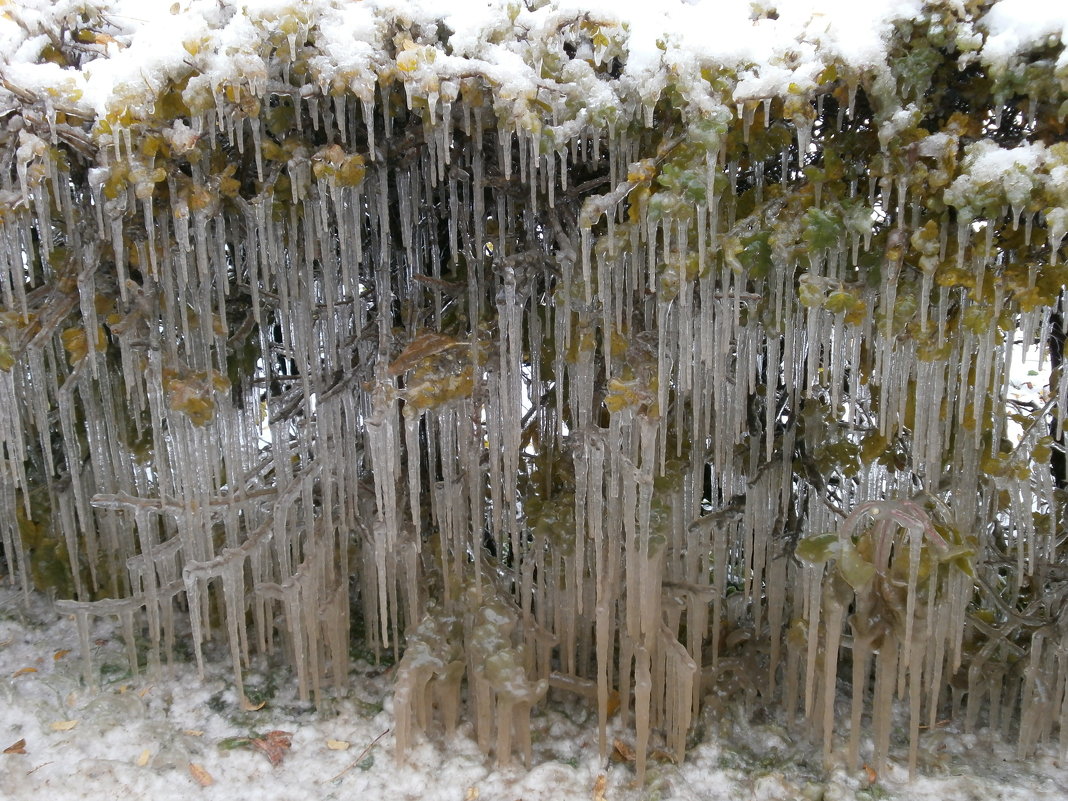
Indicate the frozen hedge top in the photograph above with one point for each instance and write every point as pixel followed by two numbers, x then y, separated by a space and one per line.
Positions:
pixel 660 353
pixel 126 54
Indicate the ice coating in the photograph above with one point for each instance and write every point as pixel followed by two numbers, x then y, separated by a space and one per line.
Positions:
pixel 563 347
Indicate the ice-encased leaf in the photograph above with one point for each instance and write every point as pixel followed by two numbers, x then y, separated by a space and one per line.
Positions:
pixel 819 549
pixel 855 569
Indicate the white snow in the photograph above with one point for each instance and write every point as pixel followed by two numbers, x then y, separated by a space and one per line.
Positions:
pixel 138 736
pixel 1015 25
pixel 772 47
pixel 1012 173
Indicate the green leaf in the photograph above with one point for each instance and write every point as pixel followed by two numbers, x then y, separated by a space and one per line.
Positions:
pixel 7 359
pixel 960 556
pixel 819 549
pixel 872 447
pixel 854 568
pixel 230 743
pixel 840 301
pixel 822 230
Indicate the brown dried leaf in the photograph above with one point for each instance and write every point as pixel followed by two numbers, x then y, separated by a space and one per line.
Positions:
pixel 613 702
pixel 274 745
pixel 660 755
pixel 621 751
pixel 421 347
pixel 16 748
pixel 23 671
pixel 445 286
pixel 200 776
pixel 248 706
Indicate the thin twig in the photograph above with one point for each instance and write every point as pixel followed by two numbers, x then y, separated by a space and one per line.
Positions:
pixel 363 753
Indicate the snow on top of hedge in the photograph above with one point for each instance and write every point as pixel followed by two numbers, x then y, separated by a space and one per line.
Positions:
pixel 132 48
pixel 1017 25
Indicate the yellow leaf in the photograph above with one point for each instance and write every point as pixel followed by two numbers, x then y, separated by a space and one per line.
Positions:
pixel 201 776
pixel 23 671
pixel 75 344
pixel 64 725
pixel 194 732
pixel 62 652
pixel 599 788
pixel 408 60
pixel 337 745
pixel 142 760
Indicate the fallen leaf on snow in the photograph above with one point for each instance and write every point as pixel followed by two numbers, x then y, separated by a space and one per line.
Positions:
pixel 621 751
pixel 201 776
pixel 194 732
pixel 599 788
pixel 248 706
pixel 16 748
pixel 64 725
pixel 471 794
pixel 23 671
pixel 62 652
pixel 143 759
pixel 337 745
pixel 660 755
pixel 274 745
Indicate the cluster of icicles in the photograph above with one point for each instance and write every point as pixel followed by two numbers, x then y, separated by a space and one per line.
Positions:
pixel 527 456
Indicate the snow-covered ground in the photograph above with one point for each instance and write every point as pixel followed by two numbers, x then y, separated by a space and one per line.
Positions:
pixel 177 737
